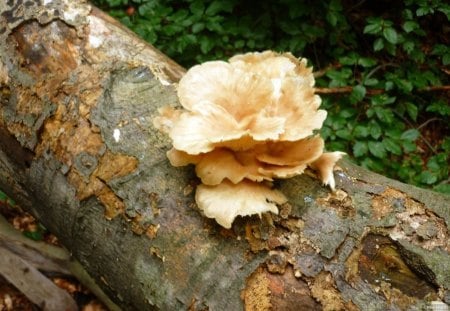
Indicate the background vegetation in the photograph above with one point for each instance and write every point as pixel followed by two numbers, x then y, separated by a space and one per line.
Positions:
pixel 382 67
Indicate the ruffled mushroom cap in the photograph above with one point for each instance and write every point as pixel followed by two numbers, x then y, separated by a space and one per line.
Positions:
pixel 226 201
pixel 324 166
pixel 263 162
pixel 244 123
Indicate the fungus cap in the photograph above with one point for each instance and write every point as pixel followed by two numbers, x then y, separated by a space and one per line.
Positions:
pixel 244 123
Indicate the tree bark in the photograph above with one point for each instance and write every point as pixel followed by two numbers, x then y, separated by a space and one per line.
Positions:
pixel 79 151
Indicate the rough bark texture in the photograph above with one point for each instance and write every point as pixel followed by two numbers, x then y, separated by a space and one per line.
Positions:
pixel 78 150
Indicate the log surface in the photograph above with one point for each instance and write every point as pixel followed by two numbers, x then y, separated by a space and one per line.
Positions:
pixel 78 150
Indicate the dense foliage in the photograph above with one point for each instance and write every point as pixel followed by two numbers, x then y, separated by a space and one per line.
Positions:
pixel 382 66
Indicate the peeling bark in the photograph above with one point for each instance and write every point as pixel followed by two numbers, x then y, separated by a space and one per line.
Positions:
pixel 79 151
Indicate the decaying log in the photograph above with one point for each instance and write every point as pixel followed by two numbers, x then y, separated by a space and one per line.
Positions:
pixel 78 150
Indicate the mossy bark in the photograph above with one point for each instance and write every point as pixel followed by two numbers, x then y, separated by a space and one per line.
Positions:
pixel 78 150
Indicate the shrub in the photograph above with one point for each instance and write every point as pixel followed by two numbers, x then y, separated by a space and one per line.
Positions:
pixel 382 67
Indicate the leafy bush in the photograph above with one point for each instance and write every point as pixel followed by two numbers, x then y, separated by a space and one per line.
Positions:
pixel 382 66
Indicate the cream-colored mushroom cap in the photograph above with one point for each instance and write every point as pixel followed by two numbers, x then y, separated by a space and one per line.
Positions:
pixel 226 201
pixel 244 123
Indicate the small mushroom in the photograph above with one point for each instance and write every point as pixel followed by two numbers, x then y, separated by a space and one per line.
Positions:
pixel 244 123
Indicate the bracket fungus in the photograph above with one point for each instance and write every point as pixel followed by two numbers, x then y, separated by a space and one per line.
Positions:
pixel 245 123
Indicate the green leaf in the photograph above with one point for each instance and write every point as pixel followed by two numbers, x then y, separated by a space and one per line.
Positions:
pixel 446 59
pixel 424 11
pixel 442 188
pixel 377 149
pixel 374 26
pixel 378 44
pixel 219 6
pixel 382 100
pixel 360 148
pixel 349 59
pixel 332 18
pixel 367 62
pixel 347 113
pixel 427 177
pixel 34 235
pixel 375 130
pixel 409 146
pixel 410 135
pixel 214 26
pixel 408 46
pixel 358 94
pixel 412 110
pixel 388 85
pixel 197 27
pixel 361 131
pixel 206 44
pixel 440 107
pixel 404 85
pixel 197 7
pixel 438 163
pixel 371 82
pixel 344 134
pixel 409 26
pixel 385 115
pixel 392 146
pixel 390 34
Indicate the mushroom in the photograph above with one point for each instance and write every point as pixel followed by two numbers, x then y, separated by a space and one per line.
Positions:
pixel 244 123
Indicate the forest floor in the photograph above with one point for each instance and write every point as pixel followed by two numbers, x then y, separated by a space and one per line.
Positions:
pixel 10 297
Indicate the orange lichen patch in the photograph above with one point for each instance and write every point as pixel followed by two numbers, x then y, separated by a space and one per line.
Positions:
pixel 47 49
pixel 67 138
pixel 27 102
pixel 4 74
pixel 339 200
pixel 152 231
pixel 84 188
pixel 88 88
pixel 27 110
pixel 253 237
pixel 324 290
pixel 382 204
pixel 112 165
pixel 155 251
pixel 289 293
pixel 256 294
pixel 113 205
pixel 395 297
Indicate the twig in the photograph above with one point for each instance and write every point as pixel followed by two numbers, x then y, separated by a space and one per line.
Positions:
pixel 426 122
pixel 322 72
pixel 421 136
pixel 349 89
pixel 382 66
pixel 344 89
pixel 435 88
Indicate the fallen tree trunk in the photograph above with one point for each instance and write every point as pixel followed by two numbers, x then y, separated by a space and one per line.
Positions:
pixel 78 150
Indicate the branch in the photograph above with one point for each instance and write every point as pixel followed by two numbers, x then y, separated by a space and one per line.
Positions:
pixel 344 89
pixel 349 89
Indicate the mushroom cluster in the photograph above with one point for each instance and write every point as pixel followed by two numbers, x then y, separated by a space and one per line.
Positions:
pixel 246 122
